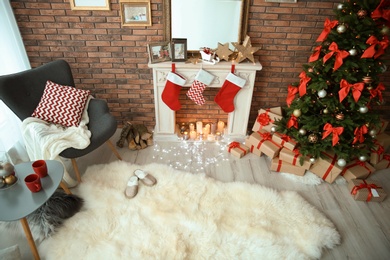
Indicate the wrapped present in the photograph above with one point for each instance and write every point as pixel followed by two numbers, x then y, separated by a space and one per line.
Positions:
pixel 384 163
pixel 357 170
pixel 262 140
pixel 326 167
pixel 253 147
pixel 294 158
pixel 237 149
pixel 366 190
pixel 382 126
pixel 384 140
pixel 284 140
pixel 377 153
pixel 266 118
pixel 282 166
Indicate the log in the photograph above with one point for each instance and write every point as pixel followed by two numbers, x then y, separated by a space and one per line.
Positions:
pixel 125 132
pixel 138 137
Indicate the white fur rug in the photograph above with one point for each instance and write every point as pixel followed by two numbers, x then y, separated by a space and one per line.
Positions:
pixel 187 216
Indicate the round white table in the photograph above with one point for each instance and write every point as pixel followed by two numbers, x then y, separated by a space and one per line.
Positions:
pixel 17 201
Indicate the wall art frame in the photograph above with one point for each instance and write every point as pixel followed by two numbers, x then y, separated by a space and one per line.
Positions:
pixel 159 52
pixel 135 12
pixel 179 49
pixel 90 5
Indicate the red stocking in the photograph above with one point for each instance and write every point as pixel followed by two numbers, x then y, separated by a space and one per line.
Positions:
pixel 170 94
pixel 225 96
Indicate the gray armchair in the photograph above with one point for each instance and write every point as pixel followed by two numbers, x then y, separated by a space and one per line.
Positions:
pixel 22 92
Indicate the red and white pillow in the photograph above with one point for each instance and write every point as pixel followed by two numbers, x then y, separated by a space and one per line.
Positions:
pixel 61 104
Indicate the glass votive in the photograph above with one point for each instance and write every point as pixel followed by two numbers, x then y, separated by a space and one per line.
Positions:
pixel 186 136
pixel 218 136
pixel 183 127
pixel 210 137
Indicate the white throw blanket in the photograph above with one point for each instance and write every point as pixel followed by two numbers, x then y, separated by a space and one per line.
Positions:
pixel 46 141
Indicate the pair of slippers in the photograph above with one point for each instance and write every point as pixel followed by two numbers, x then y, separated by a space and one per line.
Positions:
pixel 132 184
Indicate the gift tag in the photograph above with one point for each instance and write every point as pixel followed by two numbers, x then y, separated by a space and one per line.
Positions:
pixel 375 193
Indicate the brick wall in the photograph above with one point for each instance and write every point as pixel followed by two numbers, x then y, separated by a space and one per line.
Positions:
pixel 111 60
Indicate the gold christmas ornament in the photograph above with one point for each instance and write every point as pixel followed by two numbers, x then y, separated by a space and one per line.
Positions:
pixel 313 138
pixel 341 28
pixel 245 50
pixel 340 116
pixel 367 79
pixel 369 87
pixel 11 179
pixel 297 112
pixel 385 30
pixel 223 51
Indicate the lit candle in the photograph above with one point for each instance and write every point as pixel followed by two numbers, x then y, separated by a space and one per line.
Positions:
pixel 193 135
pixel 221 126
pixel 210 137
pixel 185 135
pixel 213 128
pixel 192 127
pixel 206 131
pixel 199 126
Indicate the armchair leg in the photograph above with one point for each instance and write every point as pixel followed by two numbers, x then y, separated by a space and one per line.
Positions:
pixel 113 149
pixel 65 188
pixel 76 169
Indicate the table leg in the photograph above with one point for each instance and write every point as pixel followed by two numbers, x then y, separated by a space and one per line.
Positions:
pixel 30 239
pixel 65 188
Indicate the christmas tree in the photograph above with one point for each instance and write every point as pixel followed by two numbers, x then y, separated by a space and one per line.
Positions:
pixel 332 107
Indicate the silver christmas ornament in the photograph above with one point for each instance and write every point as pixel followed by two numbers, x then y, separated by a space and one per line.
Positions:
pixel 340 7
pixel 341 28
pixel 312 160
pixel 341 162
pixel 363 109
pixel 326 111
pixel 322 93
pixel 363 158
pixel 273 129
pixel 352 52
pixel 372 132
pixel 302 131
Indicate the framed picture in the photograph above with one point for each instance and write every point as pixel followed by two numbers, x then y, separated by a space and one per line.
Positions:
pixel 159 52
pixel 179 49
pixel 90 4
pixel 135 13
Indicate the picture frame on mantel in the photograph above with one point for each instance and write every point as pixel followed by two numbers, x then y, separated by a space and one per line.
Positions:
pixel 179 49
pixel 159 52
pixel 135 12
pixel 92 5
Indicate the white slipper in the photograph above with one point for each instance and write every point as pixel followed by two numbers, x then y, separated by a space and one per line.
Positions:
pixel 145 177
pixel 132 187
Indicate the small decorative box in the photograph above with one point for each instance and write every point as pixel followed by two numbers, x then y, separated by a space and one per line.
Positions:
pixel 262 140
pixel 384 163
pixel 252 147
pixel 382 126
pixel 384 140
pixel 377 153
pixel 357 170
pixel 327 167
pixel 284 140
pixel 237 149
pixel 282 166
pixel 266 118
pixel 363 190
pixel 294 158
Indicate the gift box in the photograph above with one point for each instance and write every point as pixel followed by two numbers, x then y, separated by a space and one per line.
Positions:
pixel 357 170
pixel 266 118
pixel 262 140
pixel 284 140
pixel 384 163
pixel 326 167
pixel 363 190
pixel 377 153
pixel 294 158
pixel 382 126
pixel 252 147
pixel 237 149
pixel 384 140
pixel 282 166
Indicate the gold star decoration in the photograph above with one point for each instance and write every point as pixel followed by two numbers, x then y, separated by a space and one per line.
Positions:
pixel 193 60
pixel 223 51
pixel 245 50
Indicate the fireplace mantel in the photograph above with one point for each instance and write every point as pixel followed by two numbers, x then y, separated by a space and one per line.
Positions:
pixel 237 120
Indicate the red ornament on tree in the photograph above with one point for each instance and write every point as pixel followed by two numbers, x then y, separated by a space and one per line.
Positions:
pixel 362 13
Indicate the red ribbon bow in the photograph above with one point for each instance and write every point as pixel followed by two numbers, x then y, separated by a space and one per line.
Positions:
pixel 266 135
pixel 303 83
pixel 316 54
pixel 345 87
pixel 292 122
pixel 339 54
pixel 328 25
pixel 359 134
pixel 264 119
pixel 365 185
pixel 377 92
pixel 381 11
pixel 371 51
pixel 233 145
pixel 292 91
pixel 386 157
pixel 336 131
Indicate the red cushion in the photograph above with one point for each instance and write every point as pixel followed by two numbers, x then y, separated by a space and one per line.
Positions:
pixel 61 104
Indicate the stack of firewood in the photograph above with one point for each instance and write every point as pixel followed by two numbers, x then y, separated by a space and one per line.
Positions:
pixel 137 137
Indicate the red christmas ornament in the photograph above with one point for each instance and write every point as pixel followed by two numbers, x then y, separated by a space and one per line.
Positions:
pixel 362 13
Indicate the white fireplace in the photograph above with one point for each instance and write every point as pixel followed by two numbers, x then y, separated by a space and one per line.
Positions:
pixel 237 122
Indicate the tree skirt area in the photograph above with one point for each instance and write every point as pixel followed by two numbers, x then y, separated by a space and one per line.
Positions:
pixel 189 216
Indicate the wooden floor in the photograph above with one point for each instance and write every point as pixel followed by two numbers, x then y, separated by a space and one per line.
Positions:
pixel 364 227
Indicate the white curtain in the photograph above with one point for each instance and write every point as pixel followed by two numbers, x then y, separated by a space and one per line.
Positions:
pixel 13 58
